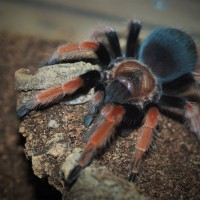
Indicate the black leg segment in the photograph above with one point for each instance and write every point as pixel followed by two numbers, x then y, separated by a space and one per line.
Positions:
pixel 134 30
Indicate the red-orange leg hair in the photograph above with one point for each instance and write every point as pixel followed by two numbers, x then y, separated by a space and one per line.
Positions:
pixel 72 50
pixel 45 97
pixel 145 141
pixel 80 51
pixel 111 116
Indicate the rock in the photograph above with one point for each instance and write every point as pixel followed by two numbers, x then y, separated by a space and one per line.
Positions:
pixel 53 124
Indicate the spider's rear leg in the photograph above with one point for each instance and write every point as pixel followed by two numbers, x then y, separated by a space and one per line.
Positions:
pixel 145 140
pixel 191 111
pixel 78 84
pixel 196 77
pixel 74 52
pixel 182 83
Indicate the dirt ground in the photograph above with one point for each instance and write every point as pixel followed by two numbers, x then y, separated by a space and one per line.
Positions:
pixel 16 178
pixel 170 171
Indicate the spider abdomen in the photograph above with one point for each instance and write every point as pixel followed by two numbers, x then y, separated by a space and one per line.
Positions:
pixel 169 53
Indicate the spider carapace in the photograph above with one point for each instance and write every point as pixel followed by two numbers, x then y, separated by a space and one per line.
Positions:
pixel 130 89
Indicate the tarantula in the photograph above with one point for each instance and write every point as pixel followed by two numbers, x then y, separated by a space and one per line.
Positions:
pixel 130 89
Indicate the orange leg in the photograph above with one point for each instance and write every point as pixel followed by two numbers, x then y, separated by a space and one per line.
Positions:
pixel 72 51
pixel 80 51
pixel 145 141
pixel 111 117
pixel 59 91
pixel 56 93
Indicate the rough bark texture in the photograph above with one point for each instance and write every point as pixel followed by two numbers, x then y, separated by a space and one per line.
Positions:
pixel 55 135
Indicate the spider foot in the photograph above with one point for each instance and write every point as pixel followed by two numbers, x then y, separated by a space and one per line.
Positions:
pixel 88 120
pixel 50 62
pixel 73 176
pixel 27 107
pixel 22 111
pixel 132 177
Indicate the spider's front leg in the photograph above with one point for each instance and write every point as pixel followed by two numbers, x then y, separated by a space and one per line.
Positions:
pixel 77 85
pixel 111 116
pixel 144 142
